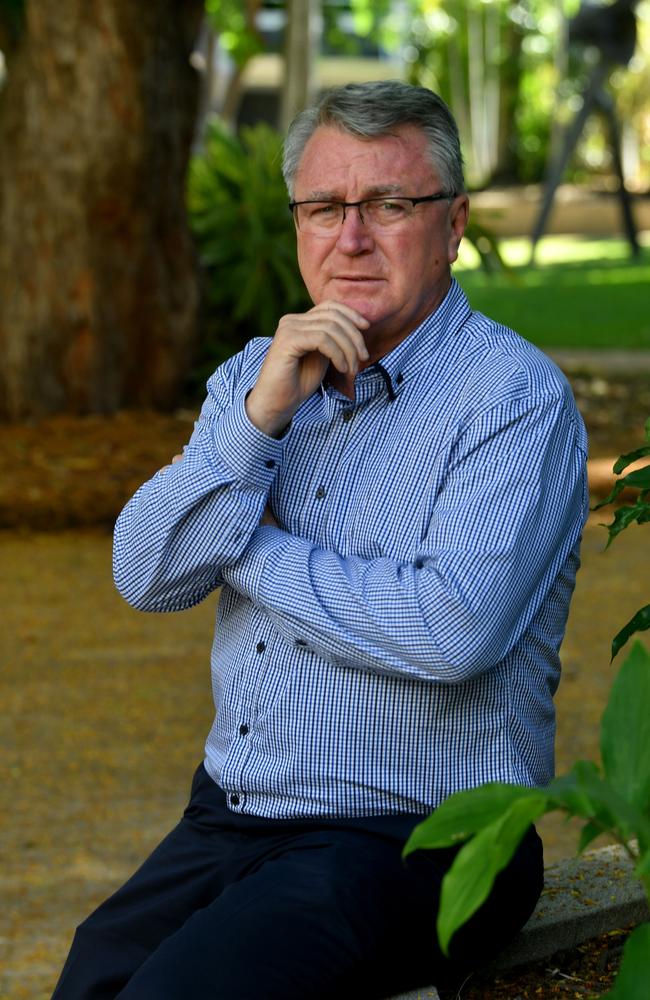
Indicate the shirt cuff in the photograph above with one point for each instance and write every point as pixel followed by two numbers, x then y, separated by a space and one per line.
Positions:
pixel 267 545
pixel 251 456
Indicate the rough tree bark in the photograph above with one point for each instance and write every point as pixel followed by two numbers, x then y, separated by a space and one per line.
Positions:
pixel 98 286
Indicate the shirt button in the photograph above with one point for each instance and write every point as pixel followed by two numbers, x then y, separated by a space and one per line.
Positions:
pixel 261 646
pixel 243 729
pixel 300 642
pixel 320 492
pixel 419 563
pixel 399 379
pixel 270 464
pixel 234 800
pixel 347 415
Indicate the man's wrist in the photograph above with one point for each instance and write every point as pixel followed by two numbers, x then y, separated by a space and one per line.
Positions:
pixel 273 425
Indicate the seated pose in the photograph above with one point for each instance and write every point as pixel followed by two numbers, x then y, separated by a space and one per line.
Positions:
pixel 390 494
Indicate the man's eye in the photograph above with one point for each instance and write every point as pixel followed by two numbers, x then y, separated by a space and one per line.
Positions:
pixel 392 207
pixel 322 210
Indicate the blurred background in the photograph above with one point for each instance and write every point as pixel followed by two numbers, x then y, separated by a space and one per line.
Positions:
pixel 144 237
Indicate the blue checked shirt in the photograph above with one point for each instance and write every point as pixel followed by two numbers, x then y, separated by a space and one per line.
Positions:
pixel 396 638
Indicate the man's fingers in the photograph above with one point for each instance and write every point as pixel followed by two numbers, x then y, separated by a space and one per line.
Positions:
pixel 175 459
pixel 328 333
pixel 331 344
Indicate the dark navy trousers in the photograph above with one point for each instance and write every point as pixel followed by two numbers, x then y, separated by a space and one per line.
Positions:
pixel 230 907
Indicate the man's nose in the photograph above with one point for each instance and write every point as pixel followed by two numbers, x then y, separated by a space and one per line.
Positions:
pixel 354 235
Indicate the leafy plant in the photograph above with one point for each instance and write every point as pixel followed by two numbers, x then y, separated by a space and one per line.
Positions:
pixel 614 798
pixel 243 229
pixel 625 515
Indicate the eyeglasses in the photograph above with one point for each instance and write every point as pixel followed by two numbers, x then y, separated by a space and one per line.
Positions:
pixel 323 218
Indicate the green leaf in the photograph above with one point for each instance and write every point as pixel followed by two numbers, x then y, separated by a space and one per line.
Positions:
pixel 625 730
pixel 632 456
pixel 468 882
pixel 638 623
pixel 584 792
pixel 588 834
pixel 624 517
pixel 634 974
pixel 619 486
pixel 462 815
pixel 639 479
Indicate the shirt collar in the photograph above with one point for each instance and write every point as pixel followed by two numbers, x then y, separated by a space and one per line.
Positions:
pixel 403 362
pixel 392 372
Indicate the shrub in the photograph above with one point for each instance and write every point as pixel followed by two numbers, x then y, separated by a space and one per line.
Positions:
pixel 243 229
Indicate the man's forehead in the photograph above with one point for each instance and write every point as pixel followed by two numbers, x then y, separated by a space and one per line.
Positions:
pixel 387 164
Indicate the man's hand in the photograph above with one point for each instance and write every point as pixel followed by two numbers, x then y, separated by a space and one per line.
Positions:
pixel 175 459
pixel 303 348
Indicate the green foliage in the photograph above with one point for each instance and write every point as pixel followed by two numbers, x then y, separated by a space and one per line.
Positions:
pixel 238 210
pixel 638 512
pixel 491 820
pixel 467 885
pixel 493 62
pixel 568 302
pixel 235 30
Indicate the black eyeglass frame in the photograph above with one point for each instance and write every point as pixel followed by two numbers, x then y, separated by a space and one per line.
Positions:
pixel 438 196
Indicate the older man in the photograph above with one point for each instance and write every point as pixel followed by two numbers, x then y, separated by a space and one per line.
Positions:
pixel 391 494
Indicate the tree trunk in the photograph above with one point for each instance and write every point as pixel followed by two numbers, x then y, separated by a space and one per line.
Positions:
pixel 506 161
pixel 300 51
pixel 98 286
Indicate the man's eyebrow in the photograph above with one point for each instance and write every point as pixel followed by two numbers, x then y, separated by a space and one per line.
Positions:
pixel 376 191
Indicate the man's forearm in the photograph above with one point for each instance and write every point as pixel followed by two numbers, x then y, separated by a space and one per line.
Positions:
pixel 176 534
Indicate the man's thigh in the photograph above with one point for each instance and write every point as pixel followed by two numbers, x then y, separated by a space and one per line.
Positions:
pixel 333 914
pixel 184 873
pixel 301 924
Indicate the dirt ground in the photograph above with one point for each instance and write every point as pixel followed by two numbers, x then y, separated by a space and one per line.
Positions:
pixel 105 709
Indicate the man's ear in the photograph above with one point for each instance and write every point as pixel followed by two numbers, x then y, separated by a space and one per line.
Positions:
pixel 458 218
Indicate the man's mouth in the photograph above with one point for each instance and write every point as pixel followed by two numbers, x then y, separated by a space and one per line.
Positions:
pixel 356 277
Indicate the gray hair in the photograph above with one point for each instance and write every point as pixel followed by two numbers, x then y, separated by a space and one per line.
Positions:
pixel 370 110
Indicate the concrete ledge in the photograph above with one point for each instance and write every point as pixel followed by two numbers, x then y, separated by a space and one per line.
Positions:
pixel 583 897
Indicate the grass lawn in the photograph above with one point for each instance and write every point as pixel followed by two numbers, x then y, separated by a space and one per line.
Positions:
pixel 581 293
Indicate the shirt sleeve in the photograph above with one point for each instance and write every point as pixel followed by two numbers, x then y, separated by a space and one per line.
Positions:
pixel 188 522
pixel 506 524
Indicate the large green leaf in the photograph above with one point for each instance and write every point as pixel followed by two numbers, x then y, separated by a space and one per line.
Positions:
pixel 625 730
pixel 468 882
pixel 633 979
pixel 638 623
pixel 639 479
pixel 585 793
pixel 632 456
pixel 625 516
pixel 462 815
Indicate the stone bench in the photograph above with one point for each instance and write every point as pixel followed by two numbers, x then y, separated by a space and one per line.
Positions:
pixel 583 898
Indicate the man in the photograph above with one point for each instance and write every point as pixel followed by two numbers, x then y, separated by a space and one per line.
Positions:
pixel 391 494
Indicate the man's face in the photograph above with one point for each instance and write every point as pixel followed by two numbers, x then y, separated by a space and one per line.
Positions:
pixel 392 278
